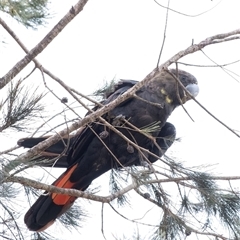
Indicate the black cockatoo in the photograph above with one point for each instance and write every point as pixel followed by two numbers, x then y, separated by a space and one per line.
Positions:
pixel 87 157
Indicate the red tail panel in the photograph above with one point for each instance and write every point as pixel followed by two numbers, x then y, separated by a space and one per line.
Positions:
pixel 64 182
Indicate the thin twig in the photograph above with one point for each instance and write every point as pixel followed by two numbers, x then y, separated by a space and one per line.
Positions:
pixel 206 66
pixel 187 15
pixel 72 13
pixel 169 212
pixel 106 108
pixel 9 150
pixel 150 103
pixel 177 91
pixel 164 34
pixel 102 229
pixel 107 199
pixel 218 120
pixel 218 65
pixel 132 220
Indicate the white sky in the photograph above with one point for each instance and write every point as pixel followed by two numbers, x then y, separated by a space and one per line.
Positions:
pixel 122 39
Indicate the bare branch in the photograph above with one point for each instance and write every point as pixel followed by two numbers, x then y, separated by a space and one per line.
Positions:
pixel 106 108
pixel 184 14
pixel 218 120
pixel 107 199
pixel 164 35
pixel 42 44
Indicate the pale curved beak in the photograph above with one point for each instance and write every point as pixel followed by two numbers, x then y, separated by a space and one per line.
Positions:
pixel 193 89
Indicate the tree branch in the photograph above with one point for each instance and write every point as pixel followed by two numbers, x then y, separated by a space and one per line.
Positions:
pixel 107 199
pixel 106 108
pixel 42 44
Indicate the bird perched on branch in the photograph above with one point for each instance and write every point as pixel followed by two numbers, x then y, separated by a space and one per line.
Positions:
pixel 146 136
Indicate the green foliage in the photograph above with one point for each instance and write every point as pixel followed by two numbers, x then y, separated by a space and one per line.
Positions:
pixel 20 107
pixel 171 227
pixel 73 217
pixel 9 215
pixel 31 13
pixel 103 91
pixel 42 236
pixel 183 195
pixel 115 184
pixel 8 191
pixel 206 200
pixel 197 206
pixel 150 128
